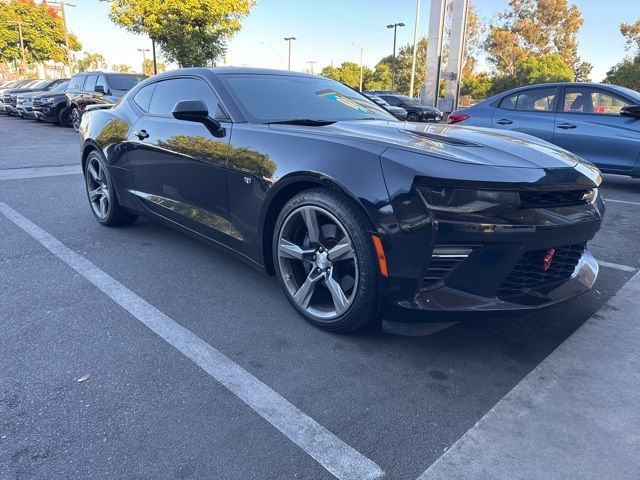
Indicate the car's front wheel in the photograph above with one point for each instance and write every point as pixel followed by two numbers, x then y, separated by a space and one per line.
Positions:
pixel 64 117
pixel 325 261
pixel 413 117
pixel 101 193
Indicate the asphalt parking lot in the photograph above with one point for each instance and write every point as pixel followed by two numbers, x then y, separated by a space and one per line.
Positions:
pixel 157 403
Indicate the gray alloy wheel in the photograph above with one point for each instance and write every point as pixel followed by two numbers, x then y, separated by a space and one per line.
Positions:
pixel 64 117
pixel 98 188
pixel 317 263
pixel 76 117
pixel 412 117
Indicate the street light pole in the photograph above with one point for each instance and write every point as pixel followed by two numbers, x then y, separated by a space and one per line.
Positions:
pixel 311 63
pixel 289 39
pixel 395 31
pixel 144 57
pixel 23 65
pixel 61 4
pixel 155 64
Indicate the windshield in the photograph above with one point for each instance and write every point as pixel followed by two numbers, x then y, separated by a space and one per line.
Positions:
pixel 124 82
pixel 60 87
pixel 39 84
pixel 274 98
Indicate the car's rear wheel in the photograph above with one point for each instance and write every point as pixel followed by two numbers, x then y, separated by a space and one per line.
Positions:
pixel 76 118
pixel 101 193
pixel 413 117
pixel 64 117
pixel 325 261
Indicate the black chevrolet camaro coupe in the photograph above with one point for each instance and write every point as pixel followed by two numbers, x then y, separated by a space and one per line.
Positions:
pixel 358 215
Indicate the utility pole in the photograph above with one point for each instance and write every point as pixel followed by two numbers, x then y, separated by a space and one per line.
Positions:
pixel 289 39
pixel 144 57
pixel 61 4
pixel 23 66
pixel 311 63
pixel 415 48
pixel 395 30
pixel 361 64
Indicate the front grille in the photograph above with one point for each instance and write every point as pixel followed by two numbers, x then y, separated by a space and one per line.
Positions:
pixel 554 198
pixel 529 273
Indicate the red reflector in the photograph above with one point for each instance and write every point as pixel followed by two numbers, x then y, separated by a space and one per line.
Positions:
pixel 457 117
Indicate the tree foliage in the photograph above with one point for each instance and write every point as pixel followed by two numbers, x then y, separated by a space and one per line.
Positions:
pixel 91 61
pixel 190 32
pixel 121 68
pixel 631 33
pixel 42 33
pixel 535 27
pixel 147 67
pixel 347 73
pixel 534 69
pixel 625 73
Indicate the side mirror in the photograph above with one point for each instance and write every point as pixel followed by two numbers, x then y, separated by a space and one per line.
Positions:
pixel 632 111
pixel 99 89
pixel 196 111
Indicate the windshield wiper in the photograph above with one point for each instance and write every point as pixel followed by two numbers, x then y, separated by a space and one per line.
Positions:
pixel 303 121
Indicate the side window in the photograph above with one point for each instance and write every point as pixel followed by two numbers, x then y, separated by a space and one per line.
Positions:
pixel 76 82
pixel 587 100
pixel 170 92
pixel 142 98
pixel 90 83
pixel 101 81
pixel 509 103
pixel 537 100
pixel 392 101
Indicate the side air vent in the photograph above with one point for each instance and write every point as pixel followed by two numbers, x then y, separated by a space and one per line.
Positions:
pixel 443 261
pixel 434 137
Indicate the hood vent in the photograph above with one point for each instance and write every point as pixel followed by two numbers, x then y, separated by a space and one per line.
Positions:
pixel 440 138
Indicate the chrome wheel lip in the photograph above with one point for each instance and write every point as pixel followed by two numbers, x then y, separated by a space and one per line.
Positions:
pixel 97 188
pixel 319 263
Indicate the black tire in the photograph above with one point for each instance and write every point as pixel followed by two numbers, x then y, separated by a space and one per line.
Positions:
pixel 363 297
pixel 114 214
pixel 413 117
pixel 64 117
pixel 76 118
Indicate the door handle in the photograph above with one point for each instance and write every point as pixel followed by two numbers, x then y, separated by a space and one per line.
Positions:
pixel 566 126
pixel 141 134
pixel 504 121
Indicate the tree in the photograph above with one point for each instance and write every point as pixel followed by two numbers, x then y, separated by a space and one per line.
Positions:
pixel 347 73
pixel 626 74
pixel 147 67
pixel 43 35
pixel 404 61
pixel 380 78
pixel 91 61
pixel 535 27
pixel 631 33
pixel 190 32
pixel 534 69
pixel 121 68
pixel 476 86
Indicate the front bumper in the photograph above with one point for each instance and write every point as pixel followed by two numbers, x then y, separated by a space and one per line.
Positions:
pixel 504 269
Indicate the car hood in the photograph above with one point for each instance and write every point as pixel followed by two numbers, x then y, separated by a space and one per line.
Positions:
pixel 472 145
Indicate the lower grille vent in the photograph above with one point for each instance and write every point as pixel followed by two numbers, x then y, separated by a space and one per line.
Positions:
pixel 444 260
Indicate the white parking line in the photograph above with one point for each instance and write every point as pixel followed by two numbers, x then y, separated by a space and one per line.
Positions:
pixel 616 266
pixel 612 200
pixel 336 456
pixel 37 172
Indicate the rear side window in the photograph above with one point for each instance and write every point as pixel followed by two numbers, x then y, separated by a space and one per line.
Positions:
pixel 76 82
pixel 170 92
pixel 142 98
pixel 509 103
pixel 537 100
pixel 90 83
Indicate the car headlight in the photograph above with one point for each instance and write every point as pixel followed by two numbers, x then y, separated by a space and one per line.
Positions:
pixel 464 200
pixel 47 101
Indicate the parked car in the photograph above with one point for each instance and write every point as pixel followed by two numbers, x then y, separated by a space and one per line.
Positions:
pixel 598 122
pixel 5 102
pixel 415 111
pixel 24 100
pixel 91 88
pixel 398 112
pixel 48 106
pixel 356 213
pixel 10 97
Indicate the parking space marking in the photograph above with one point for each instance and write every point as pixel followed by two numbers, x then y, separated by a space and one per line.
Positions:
pixel 616 266
pixel 343 461
pixel 622 201
pixel 37 172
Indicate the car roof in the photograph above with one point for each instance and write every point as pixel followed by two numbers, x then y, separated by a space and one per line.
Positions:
pixel 559 84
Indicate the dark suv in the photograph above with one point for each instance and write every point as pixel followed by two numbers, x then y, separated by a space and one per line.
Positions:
pixel 95 88
pixel 415 111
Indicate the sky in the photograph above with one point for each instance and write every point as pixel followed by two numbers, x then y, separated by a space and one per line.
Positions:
pixel 332 31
